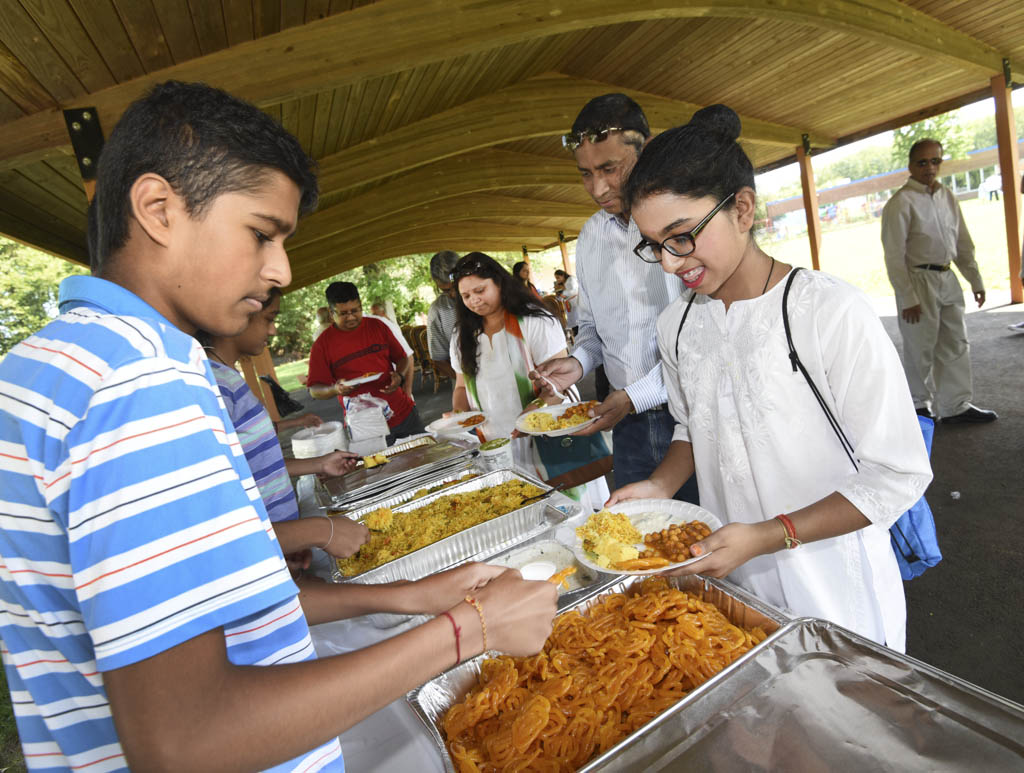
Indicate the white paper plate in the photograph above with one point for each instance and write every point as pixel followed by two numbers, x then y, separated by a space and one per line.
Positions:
pixel 450 424
pixel 556 411
pixel 362 379
pixel 647 515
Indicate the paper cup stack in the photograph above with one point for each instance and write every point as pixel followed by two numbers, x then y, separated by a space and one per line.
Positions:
pixel 317 441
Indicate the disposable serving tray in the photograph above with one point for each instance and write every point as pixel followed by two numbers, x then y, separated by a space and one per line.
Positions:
pixel 433 699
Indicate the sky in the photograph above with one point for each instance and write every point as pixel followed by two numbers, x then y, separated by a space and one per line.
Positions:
pixel 772 181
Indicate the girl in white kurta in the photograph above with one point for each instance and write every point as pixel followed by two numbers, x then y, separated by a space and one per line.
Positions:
pixel 748 423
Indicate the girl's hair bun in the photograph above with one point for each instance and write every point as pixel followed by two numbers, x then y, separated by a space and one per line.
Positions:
pixel 718 120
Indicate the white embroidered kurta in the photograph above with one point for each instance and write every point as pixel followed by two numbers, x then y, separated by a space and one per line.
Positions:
pixel 763 446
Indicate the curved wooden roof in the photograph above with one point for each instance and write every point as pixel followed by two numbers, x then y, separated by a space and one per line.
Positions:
pixel 436 122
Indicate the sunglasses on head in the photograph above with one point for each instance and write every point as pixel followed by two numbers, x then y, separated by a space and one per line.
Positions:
pixel 469 268
pixel 572 140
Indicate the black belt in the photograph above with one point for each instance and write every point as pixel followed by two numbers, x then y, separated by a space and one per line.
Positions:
pixel 933 267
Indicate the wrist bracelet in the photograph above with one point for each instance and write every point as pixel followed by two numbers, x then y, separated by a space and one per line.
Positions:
pixel 480 611
pixel 787 526
pixel 458 632
pixel 331 521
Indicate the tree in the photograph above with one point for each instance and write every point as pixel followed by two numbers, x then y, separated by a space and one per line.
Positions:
pixel 944 127
pixel 28 290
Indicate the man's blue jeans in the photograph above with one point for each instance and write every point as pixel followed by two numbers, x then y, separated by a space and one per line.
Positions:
pixel 639 443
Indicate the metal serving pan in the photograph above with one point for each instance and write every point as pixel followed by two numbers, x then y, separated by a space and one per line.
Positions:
pixel 484 539
pixel 408 463
pixel 433 699
pixel 436 475
pixel 820 697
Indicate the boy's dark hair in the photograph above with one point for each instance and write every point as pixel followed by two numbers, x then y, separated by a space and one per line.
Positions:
pixel 204 142
pixel 699 159
pixel 342 292
pixel 614 111
pixel 925 141
pixel 561 272
pixel 514 297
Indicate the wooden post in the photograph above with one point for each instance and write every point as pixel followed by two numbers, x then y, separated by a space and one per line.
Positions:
pixel 803 157
pixel 566 263
pixel 1009 168
pixel 252 369
pixel 526 255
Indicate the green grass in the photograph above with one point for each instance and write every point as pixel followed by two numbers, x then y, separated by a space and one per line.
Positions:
pixel 854 252
pixel 288 374
pixel 11 760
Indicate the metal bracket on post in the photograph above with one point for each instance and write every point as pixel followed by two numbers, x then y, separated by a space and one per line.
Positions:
pixel 526 254
pixel 86 139
pixel 561 237
pixel 806 140
pixel 1007 73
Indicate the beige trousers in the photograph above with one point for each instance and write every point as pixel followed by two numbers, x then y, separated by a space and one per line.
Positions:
pixel 936 355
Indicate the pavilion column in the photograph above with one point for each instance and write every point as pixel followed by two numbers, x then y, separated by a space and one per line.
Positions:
pixel 1009 168
pixel 252 369
pixel 566 263
pixel 803 157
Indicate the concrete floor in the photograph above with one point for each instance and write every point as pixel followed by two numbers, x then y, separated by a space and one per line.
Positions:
pixel 964 615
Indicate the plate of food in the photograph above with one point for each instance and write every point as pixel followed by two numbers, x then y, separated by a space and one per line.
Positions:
pixel 640 536
pixel 557 420
pixel 363 379
pixel 457 423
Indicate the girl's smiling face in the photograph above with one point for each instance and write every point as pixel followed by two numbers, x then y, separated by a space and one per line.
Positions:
pixel 720 246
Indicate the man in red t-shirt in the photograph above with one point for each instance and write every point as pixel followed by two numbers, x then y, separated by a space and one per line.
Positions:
pixel 353 347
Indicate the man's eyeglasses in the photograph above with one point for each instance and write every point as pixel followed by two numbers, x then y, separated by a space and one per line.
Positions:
pixel 679 245
pixel 347 312
pixel 921 163
pixel 572 140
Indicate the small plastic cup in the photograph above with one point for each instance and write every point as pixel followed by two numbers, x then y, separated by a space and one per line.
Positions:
pixel 497 454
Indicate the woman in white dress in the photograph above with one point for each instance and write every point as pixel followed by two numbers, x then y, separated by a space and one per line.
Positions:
pixel 501 332
pixel 768 462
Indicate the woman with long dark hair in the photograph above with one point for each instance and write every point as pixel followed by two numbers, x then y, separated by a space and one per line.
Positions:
pixel 521 272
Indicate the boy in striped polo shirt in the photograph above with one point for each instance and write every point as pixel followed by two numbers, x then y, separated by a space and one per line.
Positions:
pixel 140 579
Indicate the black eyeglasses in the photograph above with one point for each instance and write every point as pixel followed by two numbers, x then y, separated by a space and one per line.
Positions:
pixel 679 245
pixel 923 162
pixel 467 268
pixel 572 140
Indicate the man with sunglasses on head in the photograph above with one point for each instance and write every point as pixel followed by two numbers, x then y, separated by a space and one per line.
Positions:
pixel 441 315
pixel 923 232
pixel 620 296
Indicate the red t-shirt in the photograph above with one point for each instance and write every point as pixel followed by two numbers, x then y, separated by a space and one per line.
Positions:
pixel 370 348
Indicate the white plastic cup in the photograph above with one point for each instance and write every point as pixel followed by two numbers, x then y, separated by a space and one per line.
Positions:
pixel 498 456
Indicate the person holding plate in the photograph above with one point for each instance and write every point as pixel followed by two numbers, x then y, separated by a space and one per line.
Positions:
pixel 501 331
pixel 806 516
pixel 356 346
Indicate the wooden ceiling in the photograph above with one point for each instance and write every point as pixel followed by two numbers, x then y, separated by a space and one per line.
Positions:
pixel 436 122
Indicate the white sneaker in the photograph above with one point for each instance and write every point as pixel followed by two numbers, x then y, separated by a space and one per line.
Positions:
pixel 1018 328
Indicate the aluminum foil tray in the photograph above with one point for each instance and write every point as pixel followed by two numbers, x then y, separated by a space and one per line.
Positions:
pixel 437 476
pixel 820 697
pixel 433 699
pixel 420 460
pixel 483 540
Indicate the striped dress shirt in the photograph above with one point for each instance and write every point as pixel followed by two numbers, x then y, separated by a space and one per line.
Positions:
pixel 129 524
pixel 619 303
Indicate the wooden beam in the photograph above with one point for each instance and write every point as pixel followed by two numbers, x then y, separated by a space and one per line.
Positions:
pixel 810 203
pixel 544 106
pixel 393 36
pixel 1009 168
pixel 564 248
pixel 448 210
pixel 484 170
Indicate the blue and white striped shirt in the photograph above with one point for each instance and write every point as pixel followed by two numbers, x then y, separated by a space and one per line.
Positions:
pixel 129 523
pixel 619 303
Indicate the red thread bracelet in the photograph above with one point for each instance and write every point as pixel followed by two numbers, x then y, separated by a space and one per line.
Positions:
pixel 458 633
pixel 791 539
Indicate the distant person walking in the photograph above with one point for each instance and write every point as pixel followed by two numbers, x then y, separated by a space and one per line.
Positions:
pixel 923 231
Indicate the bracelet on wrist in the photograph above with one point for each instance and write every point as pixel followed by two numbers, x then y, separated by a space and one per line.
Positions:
pixel 790 530
pixel 480 611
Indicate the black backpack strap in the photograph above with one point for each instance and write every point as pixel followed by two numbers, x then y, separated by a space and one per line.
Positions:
pixel 679 330
pixel 794 358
